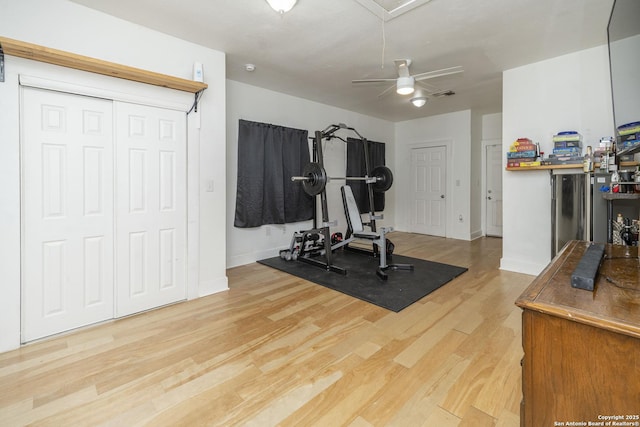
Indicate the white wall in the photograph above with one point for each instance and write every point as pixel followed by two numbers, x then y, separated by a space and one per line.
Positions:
pixel 492 126
pixel 260 105
pixel 571 92
pixel 67 26
pixel 453 127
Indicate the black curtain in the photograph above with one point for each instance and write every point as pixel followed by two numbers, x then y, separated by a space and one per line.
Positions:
pixel 268 156
pixel 357 167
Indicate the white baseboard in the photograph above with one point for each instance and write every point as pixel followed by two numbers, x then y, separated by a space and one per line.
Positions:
pixel 476 234
pixel 210 287
pixel 519 266
pixel 248 258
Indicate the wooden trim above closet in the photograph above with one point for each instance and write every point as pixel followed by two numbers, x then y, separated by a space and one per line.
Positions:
pixel 98 66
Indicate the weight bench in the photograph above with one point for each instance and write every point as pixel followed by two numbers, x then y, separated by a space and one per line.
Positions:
pixel 378 238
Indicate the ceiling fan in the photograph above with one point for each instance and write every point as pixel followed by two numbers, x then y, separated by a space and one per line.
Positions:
pixel 405 82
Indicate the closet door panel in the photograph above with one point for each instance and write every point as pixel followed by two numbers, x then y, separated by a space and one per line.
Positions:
pixel 67 212
pixel 151 207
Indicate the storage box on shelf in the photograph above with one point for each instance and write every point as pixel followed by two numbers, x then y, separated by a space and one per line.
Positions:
pixel 628 139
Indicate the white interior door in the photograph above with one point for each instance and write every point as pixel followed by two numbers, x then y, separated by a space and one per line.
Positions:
pixel 151 207
pixel 428 177
pixel 67 203
pixel 493 196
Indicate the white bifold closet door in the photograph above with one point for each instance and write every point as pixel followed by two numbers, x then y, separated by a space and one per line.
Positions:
pixel 67 200
pixel 104 210
pixel 151 207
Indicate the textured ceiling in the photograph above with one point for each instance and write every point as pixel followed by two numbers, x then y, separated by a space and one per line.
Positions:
pixel 316 49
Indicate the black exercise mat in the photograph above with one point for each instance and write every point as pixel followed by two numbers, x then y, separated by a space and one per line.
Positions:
pixel 402 288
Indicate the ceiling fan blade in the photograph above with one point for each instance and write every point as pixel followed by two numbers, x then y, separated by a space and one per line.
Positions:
pixel 428 87
pixel 438 73
pixel 386 91
pixel 373 81
pixel 447 92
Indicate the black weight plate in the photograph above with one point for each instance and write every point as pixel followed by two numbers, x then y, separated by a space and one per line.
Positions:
pixel 317 179
pixel 384 179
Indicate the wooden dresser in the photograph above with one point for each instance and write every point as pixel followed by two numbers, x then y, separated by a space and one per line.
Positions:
pixel 582 349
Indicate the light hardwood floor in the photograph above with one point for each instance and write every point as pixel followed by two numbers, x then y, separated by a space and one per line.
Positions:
pixel 278 350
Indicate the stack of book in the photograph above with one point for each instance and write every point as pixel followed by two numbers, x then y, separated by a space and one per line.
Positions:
pixel 628 136
pixel 522 153
pixel 603 151
pixel 567 148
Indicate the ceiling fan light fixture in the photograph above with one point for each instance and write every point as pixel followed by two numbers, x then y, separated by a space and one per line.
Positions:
pixel 419 101
pixel 282 6
pixel 405 85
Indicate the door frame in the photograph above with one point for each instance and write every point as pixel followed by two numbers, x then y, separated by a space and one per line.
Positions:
pixel 483 185
pixel 45 76
pixel 448 144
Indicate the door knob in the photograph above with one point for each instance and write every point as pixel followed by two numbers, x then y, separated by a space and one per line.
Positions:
pixel 442 196
pixel 489 197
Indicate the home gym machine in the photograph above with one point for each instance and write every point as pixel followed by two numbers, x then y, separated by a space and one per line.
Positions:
pixel 307 245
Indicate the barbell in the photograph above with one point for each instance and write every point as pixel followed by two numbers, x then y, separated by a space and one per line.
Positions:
pixel 315 178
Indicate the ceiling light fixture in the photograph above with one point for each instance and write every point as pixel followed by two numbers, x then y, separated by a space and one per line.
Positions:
pixel 405 85
pixel 419 101
pixel 281 6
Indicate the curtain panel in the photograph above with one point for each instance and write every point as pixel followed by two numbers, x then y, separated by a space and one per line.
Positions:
pixel 268 156
pixel 356 167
